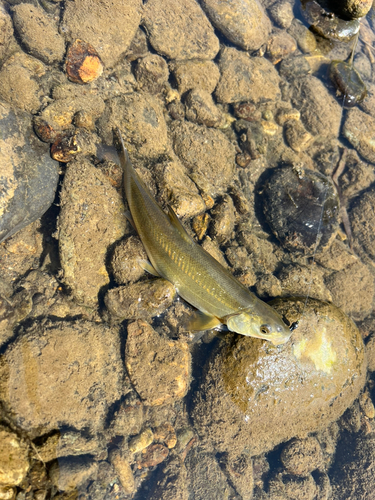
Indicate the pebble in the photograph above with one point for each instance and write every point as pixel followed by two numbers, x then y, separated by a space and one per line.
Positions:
pixel 201 150
pixel 29 176
pixel 297 136
pixel 83 64
pixel 14 458
pixel 358 127
pixel 279 46
pixel 224 218
pixel 20 82
pixel 124 260
pixel 54 380
pixel 38 33
pixel 294 68
pixel 7 493
pixel 295 389
pixel 292 203
pixel 6 32
pixel 166 434
pixel 351 9
pixel 128 419
pixel 141 441
pixel 91 219
pixel 146 300
pixel 304 37
pixel 282 13
pixel 243 22
pixel 303 280
pixel 138 47
pixel 195 74
pixel 348 83
pixel 69 473
pixel 151 73
pixel 284 486
pixel 62 444
pixel 300 457
pixel 243 76
pixel 140 118
pixel 201 109
pixel 153 455
pixel 180 31
pixel 110 28
pixel 159 368
pixel 124 472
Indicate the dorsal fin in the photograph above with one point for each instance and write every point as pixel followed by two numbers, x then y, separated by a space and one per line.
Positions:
pixel 175 221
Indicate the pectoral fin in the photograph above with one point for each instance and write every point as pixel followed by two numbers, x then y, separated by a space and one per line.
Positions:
pixel 200 321
pixel 147 266
pixel 175 221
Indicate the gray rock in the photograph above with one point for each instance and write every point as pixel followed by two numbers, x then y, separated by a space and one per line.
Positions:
pixel 243 22
pixel 180 30
pixel 29 176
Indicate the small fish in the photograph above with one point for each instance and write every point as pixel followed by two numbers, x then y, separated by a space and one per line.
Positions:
pixel 199 279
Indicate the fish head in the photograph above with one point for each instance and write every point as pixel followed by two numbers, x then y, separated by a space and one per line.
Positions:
pixel 262 323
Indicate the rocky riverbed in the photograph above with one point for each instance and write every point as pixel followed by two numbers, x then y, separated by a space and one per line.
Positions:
pixel 231 116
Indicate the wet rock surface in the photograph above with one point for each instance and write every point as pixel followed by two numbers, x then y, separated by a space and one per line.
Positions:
pixel 29 176
pixel 357 129
pixel 330 381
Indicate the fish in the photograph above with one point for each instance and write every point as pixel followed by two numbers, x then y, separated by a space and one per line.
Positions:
pixel 220 299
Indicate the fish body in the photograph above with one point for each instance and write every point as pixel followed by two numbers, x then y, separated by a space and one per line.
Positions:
pixel 198 278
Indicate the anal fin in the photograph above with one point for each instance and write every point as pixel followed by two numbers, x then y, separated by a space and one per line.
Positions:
pixel 200 321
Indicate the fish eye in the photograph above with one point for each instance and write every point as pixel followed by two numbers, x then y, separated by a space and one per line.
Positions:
pixel 265 330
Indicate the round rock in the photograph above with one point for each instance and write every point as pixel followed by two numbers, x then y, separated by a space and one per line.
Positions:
pixel 29 176
pixel 294 201
pixel 254 396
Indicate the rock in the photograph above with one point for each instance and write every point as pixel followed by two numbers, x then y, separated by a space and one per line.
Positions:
pixel 142 300
pixel 201 109
pixel 14 458
pixel 141 441
pixel 282 13
pixel 353 290
pixel 357 176
pixel 166 434
pixel 300 457
pixel 358 127
pixel 125 258
pixel 284 486
pixel 29 176
pixel 124 472
pixel 362 218
pixel 348 82
pixel 91 219
pixel 69 473
pixel 195 74
pixel 293 200
pixel 320 112
pixel 109 27
pixel 353 471
pixel 224 217
pixel 244 77
pixel 296 389
pixel 140 119
pixel 326 24
pixel 38 33
pixel 303 36
pixel 180 31
pixel 83 64
pixel 153 455
pixel 337 257
pixel 128 419
pixel 51 379
pixel 19 82
pixel 244 23
pixel 297 136
pixel 171 482
pixel 279 46
pixel 68 443
pixel 8 493
pixel 177 189
pixel 6 32
pixel 158 368
pixel 138 47
pixel 368 105
pixel 304 280
pixel 350 9
pixel 294 68
pixel 151 73
pixel 13 309
pixel 207 154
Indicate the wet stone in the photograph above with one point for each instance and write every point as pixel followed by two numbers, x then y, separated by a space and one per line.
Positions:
pixel 279 46
pixel 243 76
pixel 294 67
pixel 62 444
pixel 13 309
pixel 6 32
pixel 151 73
pixel 284 486
pixel 140 300
pixel 201 109
pixel 282 13
pixel 14 461
pixel 153 455
pixel 351 9
pixel 224 217
pixel 180 31
pixel 128 419
pixel 69 473
pixel 302 456
pixel 38 33
pixel 243 22
pixel 29 176
pixel 125 260
pixel 124 472
pixel 296 279
pixel 304 37
pixel 297 136
pixel 293 203
pixel 171 482
pixel 83 64
pixel 50 378
pixel 296 389
pixel 348 82
pixel 358 129
pixel 195 74
pixel 109 27
pixel 159 368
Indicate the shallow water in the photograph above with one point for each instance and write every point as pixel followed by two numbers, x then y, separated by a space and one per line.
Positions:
pixel 104 394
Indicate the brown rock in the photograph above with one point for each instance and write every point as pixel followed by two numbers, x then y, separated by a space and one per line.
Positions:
pixel 166 434
pixel 302 456
pixel 140 300
pixel 158 368
pixel 171 482
pixel 279 46
pixel 83 64
pixel 69 473
pixel 152 455
pixel 200 108
pixel 195 74
pixel 180 30
pixel 151 73
pixel 124 471
pixel 282 13
pixel 358 128
pixel 6 32
pixel 14 461
pixel 224 217
pixel 49 377
pixel 107 26
pixel 125 260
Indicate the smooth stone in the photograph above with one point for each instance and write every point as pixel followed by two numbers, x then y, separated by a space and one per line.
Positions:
pixel 6 32
pixel 14 460
pixel 348 82
pixel 253 396
pixel 358 129
pixel 29 176
pixel 350 9
pixel 195 74
pixel 69 473
pixel 243 22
